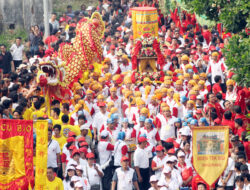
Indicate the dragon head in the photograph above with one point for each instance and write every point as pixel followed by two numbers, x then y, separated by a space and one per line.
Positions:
pixel 51 72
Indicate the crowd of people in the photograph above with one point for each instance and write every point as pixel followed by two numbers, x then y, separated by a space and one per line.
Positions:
pixel 121 132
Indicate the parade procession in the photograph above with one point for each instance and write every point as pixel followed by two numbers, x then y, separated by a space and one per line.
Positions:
pixel 126 95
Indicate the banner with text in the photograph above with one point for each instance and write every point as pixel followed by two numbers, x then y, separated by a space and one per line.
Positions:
pixel 41 129
pixel 210 151
pixel 16 154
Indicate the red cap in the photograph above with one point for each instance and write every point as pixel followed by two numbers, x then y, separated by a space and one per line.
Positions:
pixel 169 140
pixel 193 46
pixel 62 19
pixel 81 139
pixel 171 151
pixel 90 155
pixel 101 104
pixel 217 121
pixel 159 148
pixel 75 151
pixel 84 144
pixel 206 58
pixel 221 45
pixel 120 40
pixel 108 39
pixel 71 139
pixel 119 29
pixel 71 134
pixel 124 158
pixel 193 97
pixel 142 139
pixel 196 57
pixel 84 150
pixel 72 25
pixel 112 47
pixel 72 147
pixel 212 48
pixel 169 39
pixel 91 67
pixel 193 52
pixel 198 112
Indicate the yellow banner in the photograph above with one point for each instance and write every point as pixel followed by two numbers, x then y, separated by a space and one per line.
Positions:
pixel 41 128
pixel 210 151
pixel 12 159
pixel 144 20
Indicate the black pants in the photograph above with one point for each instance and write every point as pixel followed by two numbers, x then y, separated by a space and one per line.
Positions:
pixel 107 178
pixel 17 63
pixel 145 179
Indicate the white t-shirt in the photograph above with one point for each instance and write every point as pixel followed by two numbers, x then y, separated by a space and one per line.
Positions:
pixel 92 175
pixel 141 159
pixel 53 149
pixel 230 167
pixel 17 52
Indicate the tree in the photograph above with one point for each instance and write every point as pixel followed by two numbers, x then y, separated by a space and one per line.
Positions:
pixel 234 14
pixel 237 54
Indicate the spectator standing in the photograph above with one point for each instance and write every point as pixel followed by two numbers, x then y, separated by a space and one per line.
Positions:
pixel 54 23
pixel 125 177
pixel 17 51
pixel 53 152
pixel 6 61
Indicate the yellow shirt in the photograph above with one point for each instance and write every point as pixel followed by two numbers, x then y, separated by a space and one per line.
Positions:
pixel 37 114
pixel 56 121
pixel 61 141
pixel 27 114
pixel 67 128
pixel 56 184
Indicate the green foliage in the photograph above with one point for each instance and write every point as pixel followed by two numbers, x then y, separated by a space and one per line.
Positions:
pixel 238 58
pixel 234 14
pixel 8 37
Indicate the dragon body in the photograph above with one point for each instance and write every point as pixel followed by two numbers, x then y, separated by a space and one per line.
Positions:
pixel 58 72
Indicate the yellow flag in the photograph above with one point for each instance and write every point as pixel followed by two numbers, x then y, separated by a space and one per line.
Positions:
pixel 210 151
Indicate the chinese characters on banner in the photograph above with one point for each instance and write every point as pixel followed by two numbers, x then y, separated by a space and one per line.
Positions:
pixel 210 152
pixel 16 154
pixel 41 128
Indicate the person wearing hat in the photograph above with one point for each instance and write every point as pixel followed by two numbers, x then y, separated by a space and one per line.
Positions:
pixel 75 157
pixel 153 182
pixel 84 133
pixel 120 150
pixel 186 169
pixel 53 182
pixel 231 94
pixel 99 118
pixel 105 149
pixel 167 180
pixel 216 67
pixel 115 98
pixel 54 159
pixel 151 132
pixel 125 177
pixel 84 181
pixel 165 123
pixel 140 125
pixel 71 171
pixel 158 161
pixel 130 132
pixel 93 172
pixel 141 163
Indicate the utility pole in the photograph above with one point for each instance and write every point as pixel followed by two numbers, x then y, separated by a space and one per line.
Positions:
pixel 46 18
